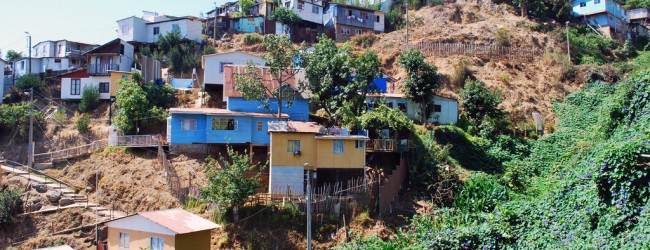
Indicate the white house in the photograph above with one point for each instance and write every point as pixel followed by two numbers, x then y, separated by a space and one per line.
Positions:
pixel 4 80
pixel 53 57
pixel 152 25
pixel 309 10
pixel 213 64
pixel 445 110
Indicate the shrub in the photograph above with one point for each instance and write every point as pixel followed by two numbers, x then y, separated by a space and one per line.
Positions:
pixel 479 102
pixel 60 116
pixel 503 37
pixel 208 50
pixel 28 81
pixel 461 72
pixel 15 117
pixel 252 38
pixel 394 18
pixel 83 124
pixel 10 206
pixel 160 95
pixel 364 40
pixel 89 99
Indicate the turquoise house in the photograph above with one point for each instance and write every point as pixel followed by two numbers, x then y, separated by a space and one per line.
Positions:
pixel 609 17
pixel 249 24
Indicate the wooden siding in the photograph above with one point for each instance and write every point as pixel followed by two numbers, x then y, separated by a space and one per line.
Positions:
pixel 138 239
pixel 352 157
pixel 268 80
pixel 299 110
pixel 246 131
pixel 195 241
pixel 115 77
pixel 280 156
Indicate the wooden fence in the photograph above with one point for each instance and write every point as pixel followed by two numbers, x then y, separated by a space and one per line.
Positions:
pixel 483 51
pixel 132 141
pixel 129 141
pixel 173 181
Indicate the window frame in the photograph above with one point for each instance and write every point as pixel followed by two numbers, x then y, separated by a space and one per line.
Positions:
pixel 191 127
pixel 224 124
pixel 156 31
pixel 583 4
pixel 222 64
pixel 360 144
pixel 339 146
pixel 292 145
pixel 75 86
pixel 402 106
pixel 104 87
pixel 151 246
pixel 437 108
pixel 378 19
pixel 315 10
pixel 128 240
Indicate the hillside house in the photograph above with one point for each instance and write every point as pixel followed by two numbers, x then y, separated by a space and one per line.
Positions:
pixel 54 57
pixel 300 146
pixel 309 10
pixel 152 25
pixel 607 16
pixel 213 66
pixel 160 230
pixel 639 21
pixel 343 21
pixel 445 110
pixel 294 103
pixel 5 80
pixel 116 55
pixel 251 24
pixel 73 84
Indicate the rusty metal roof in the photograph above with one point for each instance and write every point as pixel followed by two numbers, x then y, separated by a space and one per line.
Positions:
pixel 179 220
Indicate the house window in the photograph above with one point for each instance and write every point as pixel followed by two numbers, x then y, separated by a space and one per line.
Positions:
pixel 223 64
pixel 377 18
pixel 125 29
pixel 349 12
pixel 358 31
pixel 121 49
pixel 314 9
pixel 345 30
pixel 224 124
pixel 259 126
pixel 583 4
pixel 124 240
pixel 156 30
pixel 339 146
pixel 189 125
pixel 57 60
pixel 288 94
pixel 103 87
pixel 300 5
pixel 596 1
pixel 157 243
pixel 22 65
pixel 360 144
pixel 75 86
pixel 251 21
pixel 402 107
pixel 364 15
pixel 176 27
pixel 437 108
pixel 125 76
pixel 293 146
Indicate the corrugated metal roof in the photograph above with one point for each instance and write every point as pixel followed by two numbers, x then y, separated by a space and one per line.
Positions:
pixel 62 247
pixel 296 127
pixel 215 111
pixel 179 220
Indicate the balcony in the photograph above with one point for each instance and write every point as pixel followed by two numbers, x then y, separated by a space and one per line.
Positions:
pixel 387 145
pixel 102 69
pixel 641 13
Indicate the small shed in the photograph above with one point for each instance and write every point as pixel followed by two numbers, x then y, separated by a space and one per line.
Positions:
pixel 158 230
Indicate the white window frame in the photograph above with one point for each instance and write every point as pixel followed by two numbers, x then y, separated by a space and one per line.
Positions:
pixel 75 86
pixel 339 147
pixel 125 239
pixel 293 146
pixel 188 125
pixel 222 124
pixel 156 31
pixel 159 245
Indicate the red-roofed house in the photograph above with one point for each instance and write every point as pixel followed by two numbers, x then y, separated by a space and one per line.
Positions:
pixel 158 230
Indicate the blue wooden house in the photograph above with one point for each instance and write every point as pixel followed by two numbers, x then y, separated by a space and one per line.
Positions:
pixel 607 16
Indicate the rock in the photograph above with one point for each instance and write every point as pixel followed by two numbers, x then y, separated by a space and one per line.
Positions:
pixel 64 201
pixel 34 205
pixel 41 188
pixel 53 196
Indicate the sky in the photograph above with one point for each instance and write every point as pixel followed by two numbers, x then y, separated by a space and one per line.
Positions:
pixel 89 21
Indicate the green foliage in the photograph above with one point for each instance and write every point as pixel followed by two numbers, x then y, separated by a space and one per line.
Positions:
pixel 287 17
pixel 28 81
pixel 12 55
pixel 253 38
pixel 394 19
pixel 633 4
pixel 179 54
pixel 461 72
pixel 132 106
pixel 503 37
pixel 383 117
pixel 60 116
pixel 421 83
pixel 83 124
pixel 159 95
pixel 15 117
pixel 364 40
pixel 89 99
pixel 479 102
pixel 481 193
pixel 208 50
pixel 246 6
pixel 229 186
pixel 10 206
pixel 558 10
pixel 589 47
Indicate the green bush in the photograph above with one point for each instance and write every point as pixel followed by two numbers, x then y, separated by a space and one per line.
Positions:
pixel 503 37
pixel 28 81
pixel 89 99
pixel 15 117
pixel 364 40
pixel 83 124
pixel 589 47
pixel 461 72
pixel 208 50
pixel 10 206
pixel 252 38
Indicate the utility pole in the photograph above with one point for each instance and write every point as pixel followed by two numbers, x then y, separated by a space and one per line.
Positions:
pixel 308 208
pixel 30 160
pixel 29 39
pixel 406 4
pixel 568 43
pixel 214 29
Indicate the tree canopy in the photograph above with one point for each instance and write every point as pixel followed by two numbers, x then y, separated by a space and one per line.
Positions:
pixel 12 55
pixel 178 53
pixel 246 6
pixel 286 16
pixel 140 106
pixel 421 82
pixel 479 102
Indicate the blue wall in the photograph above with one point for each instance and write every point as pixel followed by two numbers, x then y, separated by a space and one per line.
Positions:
pixel 299 110
pixel 591 7
pixel 244 26
pixel 246 130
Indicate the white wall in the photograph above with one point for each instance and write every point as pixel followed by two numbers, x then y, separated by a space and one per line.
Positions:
pixel 282 177
pixel 212 64
pixel 92 81
pixel 189 29
pixel 379 26
pixel 139 223
pixel 448 114
pixel 306 13
pixel 51 64
pixel 136 29
pixel 20 71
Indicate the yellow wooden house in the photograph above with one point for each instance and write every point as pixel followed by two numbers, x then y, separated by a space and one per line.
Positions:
pixel 300 146
pixel 116 76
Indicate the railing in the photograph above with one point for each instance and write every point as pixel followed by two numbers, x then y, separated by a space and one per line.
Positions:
pixel 381 145
pixel 140 141
pixel 70 152
pixel 102 69
pixel 638 13
pixel 484 51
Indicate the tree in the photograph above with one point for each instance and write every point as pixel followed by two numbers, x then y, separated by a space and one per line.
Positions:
pixel 89 99
pixel 10 206
pixel 287 17
pixel 383 117
pixel 82 124
pixel 479 102
pixel 559 10
pixel 246 6
pixel 176 52
pixel 208 50
pixel 228 184
pixel 366 68
pixel 12 55
pixel 132 106
pixel 28 81
pixel 16 117
pixel 159 95
pixel 421 82
pixel 281 61
pixel 634 4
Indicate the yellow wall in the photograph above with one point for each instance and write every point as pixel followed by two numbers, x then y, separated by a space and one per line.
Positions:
pixel 138 239
pixel 280 156
pixel 351 158
pixel 319 153
pixel 115 77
